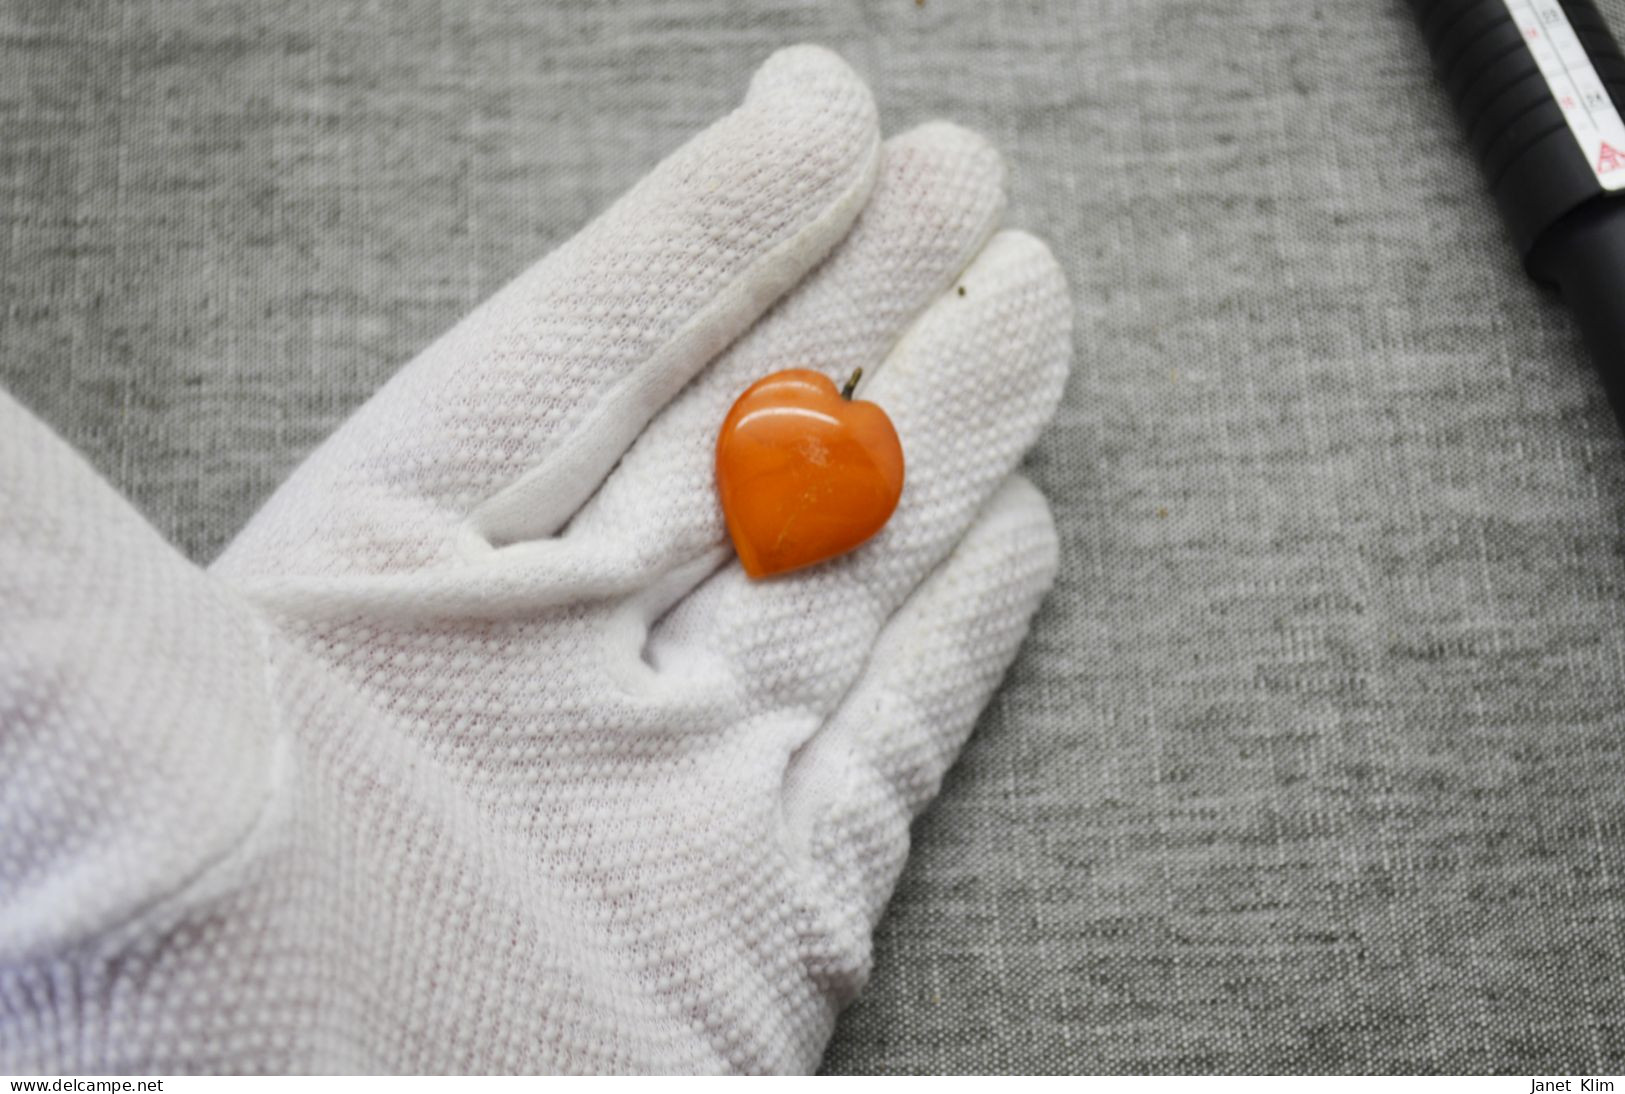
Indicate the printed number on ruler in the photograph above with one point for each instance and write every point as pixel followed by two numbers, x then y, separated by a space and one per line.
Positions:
pixel 1575 85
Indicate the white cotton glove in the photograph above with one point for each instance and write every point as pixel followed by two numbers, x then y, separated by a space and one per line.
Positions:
pixel 477 751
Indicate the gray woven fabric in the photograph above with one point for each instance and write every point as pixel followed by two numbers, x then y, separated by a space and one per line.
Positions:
pixel 1314 760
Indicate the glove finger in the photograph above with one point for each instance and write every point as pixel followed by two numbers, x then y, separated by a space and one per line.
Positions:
pixel 938 198
pixel 850 795
pixel 968 388
pixel 503 427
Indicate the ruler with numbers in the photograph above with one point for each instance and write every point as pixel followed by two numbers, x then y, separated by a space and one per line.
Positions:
pixel 1575 85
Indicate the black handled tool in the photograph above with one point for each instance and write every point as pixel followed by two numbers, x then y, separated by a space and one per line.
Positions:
pixel 1537 85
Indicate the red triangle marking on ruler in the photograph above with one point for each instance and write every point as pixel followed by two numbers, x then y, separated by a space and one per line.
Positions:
pixel 1611 159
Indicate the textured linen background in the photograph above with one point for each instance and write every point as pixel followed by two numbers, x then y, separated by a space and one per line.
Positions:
pixel 1314 759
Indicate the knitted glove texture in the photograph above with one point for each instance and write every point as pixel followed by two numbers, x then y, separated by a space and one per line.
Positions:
pixel 476 751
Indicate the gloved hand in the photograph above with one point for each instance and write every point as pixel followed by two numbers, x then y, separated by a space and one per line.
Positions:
pixel 477 750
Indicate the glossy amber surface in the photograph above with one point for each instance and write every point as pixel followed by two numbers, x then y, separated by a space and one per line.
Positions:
pixel 803 473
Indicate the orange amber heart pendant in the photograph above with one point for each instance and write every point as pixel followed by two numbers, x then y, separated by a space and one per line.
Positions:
pixel 805 472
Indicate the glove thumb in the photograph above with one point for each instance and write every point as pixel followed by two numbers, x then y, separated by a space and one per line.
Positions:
pixel 135 729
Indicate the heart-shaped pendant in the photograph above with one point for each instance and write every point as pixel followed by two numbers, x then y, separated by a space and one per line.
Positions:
pixel 805 472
